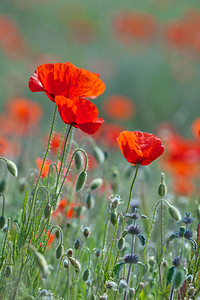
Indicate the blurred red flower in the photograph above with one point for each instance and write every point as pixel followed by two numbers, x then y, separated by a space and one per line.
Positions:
pixel 130 25
pixel 66 80
pixel 196 128
pixel 140 147
pixel 55 142
pixel 24 113
pixel 60 209
pixel 80 113
pixel 47 164
pixel 8 148
pixel 118 107
pixel 108 134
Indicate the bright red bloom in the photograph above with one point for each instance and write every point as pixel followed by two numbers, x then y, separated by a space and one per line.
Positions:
pixel 119 107
pixel 66 80
pixel 140 147
pixel 80 113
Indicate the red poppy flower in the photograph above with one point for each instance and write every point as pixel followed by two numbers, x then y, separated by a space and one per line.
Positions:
pixel 60 209
pixel 80 113
pixel 140 147
pixel 119 107
pixel 66 80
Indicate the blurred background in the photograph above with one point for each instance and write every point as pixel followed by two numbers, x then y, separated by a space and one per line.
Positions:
pixel 147 53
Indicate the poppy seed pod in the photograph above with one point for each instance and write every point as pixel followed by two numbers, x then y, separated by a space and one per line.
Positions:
pixel 98 154
pixel 174 213
pixel 96 183
pixel 2 221
pixel 12 168
pixel 59 251
pixel 82 177
pixel 78 160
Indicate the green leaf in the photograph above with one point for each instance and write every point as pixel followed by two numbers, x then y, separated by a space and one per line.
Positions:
pixel 118 267
pixel 170 274
pixel 142 239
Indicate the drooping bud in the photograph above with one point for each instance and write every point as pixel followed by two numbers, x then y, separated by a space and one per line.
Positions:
pixel 59 251
pixel 86 232
pixel 8 271
pixel 98 154
pixel 78 160
pixel 77 244
pixel 41 262
pixel 96 183
pixel 81 180
pixel 75 263
pixel 98 252
pixel 89 201
pixel 12 168
pixel 86 274
pixel 174 213
pixel 70 252
pixel 47 211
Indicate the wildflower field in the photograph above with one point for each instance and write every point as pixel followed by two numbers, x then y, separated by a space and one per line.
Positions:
pixel 99 150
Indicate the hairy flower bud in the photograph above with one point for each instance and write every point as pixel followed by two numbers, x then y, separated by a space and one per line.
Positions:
pixel 75 263
pixel 96 183
pixel 77 244
pixel 86 274
pixel 78 158
pixel 121 243
pixel 113 217
pixel 174 213
pixel 59 251
pixel 81 180
pixel 12 168
pixel 99 155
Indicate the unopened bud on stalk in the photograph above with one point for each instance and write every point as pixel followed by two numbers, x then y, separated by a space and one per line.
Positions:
pixel 78 160
pixel 12 168
pixel 162 188
pixel 41 261
pixel 75 263
pixel 98 252
pixel 70 252
pixel 121 243
pixel 77 244
pixel 98 154
pixel 81 180
pixel 59 251
pixel 174 213
pixel 89 201
pixel 113 217
pixel 103 297
pixel 66 263
pixel 110 285
pixel 2 185
pixel 2 221
pixel 86 274
pixel 8 271
pixel 47 211
pixel 86 232
pixel 96 183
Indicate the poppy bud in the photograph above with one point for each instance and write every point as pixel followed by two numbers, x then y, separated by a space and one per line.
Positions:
pixel 89 201
pixel 162 188
pixel 78 160
pixel 12 168
pixel 86 275
pixel 113 218
pixel 77 244
pixel 2 222
pixel 82 177
pixel 59 251
pixel 121 243
pixel 8 271
pixel 70 252
pixel 47 211
pixel 99 155
pixel 96 183
pixel 41 261
pixel 86 232
pixel 75 263
pixel 66 264
pixel 174 213
pixel 2 185
pixel 179 277
pixel 132 292
pixel 98 252
pixel 122 285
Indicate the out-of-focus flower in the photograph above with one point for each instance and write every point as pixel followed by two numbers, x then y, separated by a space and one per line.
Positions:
pixel 80 113
pixel 24 112
pixel 60 209
pixel 183 186
pixel 134 25
pixel 81 30
pixel 66 80
pixel 107 134
pixel 196 128
pixel 50 237
pixel 55 142
pixel 118 107
pixel 11 40
pixel 8 148
pixel 140 147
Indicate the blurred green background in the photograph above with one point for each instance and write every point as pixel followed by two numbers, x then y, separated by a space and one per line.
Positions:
pixel 162 80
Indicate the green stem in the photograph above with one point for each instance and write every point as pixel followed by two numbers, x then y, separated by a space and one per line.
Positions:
pixel 40 174
pixel 3 208
pixel 88 250
pixel 61 142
